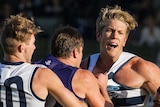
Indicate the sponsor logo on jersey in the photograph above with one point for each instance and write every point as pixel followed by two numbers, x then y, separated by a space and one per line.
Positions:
pixel 112 88
pixel 48 62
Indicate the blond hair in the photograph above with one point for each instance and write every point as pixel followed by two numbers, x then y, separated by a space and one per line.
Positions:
pixel 17 29
pixel 109 13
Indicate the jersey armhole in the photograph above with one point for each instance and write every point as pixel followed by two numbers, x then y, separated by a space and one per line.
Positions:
pixel 31 86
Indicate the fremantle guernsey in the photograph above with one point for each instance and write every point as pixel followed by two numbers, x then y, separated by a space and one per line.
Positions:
pixel 15 82
pixel 121 96
pixel 64 72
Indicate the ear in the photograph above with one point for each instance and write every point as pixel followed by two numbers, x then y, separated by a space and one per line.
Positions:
pixel 75 52
pixel 98 36
pixel 21 47
pixel 125 41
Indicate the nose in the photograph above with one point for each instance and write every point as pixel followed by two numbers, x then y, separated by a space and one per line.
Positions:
pixel 114 34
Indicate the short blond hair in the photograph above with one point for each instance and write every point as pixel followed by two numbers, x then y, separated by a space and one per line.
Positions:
pixel 17 29
pixel 109 13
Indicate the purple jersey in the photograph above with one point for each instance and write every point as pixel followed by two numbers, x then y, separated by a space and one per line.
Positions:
pixel 64 72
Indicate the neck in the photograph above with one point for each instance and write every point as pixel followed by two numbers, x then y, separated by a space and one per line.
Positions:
pixel 105 62
pixel 68 61
pixel 13 58
pixel 104 65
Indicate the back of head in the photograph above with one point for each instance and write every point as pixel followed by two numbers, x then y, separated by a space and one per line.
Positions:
pixel 17 29
pixel 65 40
pixel 109 13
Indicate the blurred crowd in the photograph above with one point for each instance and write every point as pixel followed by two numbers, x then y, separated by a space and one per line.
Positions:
pixel 83 13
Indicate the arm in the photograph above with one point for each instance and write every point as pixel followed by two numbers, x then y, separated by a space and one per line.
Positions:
pixel 151 74
pixel 102 81
pixel 50 83
pixel 92 90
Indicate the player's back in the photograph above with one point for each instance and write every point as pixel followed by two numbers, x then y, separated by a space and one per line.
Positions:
pixel 16 82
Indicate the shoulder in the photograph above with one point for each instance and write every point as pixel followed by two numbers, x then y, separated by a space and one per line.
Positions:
pixel 140 63
pixel 86 76
pixel 45 72
pixel 85 81
pixel 144 67
pixel 45 77
pixel 42 80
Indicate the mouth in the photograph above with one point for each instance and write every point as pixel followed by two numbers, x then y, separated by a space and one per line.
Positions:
pixel 113 45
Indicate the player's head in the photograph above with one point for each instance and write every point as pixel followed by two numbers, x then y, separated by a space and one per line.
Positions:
pixel 17 29
pixel 65 40
pixel 109 13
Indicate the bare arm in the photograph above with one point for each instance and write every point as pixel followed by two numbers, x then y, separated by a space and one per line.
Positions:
pixel 92 90
pixel 50 83
pixel 102 81
pixel 151 74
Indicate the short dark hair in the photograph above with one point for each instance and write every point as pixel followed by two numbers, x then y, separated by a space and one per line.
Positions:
pixel 65 39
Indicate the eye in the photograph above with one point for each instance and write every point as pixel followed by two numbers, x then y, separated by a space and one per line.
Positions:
pixel 121 33
pixel 108 30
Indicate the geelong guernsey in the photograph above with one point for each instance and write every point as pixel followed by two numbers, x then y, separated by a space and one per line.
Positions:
pixel 15 82
pixel 121 95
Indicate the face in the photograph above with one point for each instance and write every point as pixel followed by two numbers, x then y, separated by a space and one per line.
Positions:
pixel 113 38
pixel 29 49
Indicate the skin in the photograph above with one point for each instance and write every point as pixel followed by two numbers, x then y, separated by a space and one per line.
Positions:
pixel 91 85
pixel 43 77
pixel 156 100
pixel 137 73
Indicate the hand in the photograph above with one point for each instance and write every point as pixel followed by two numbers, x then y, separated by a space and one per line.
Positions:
pixel 102 80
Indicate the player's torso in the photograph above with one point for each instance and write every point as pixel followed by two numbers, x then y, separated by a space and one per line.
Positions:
pixel 124 84
pixel 124 88
pixel 16 86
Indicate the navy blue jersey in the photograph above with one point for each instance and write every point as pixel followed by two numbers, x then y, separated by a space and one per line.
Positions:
pixel 64 72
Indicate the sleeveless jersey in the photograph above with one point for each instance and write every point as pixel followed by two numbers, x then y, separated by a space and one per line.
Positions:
pixel 64 72
pixel 121 95
pixel 15 82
